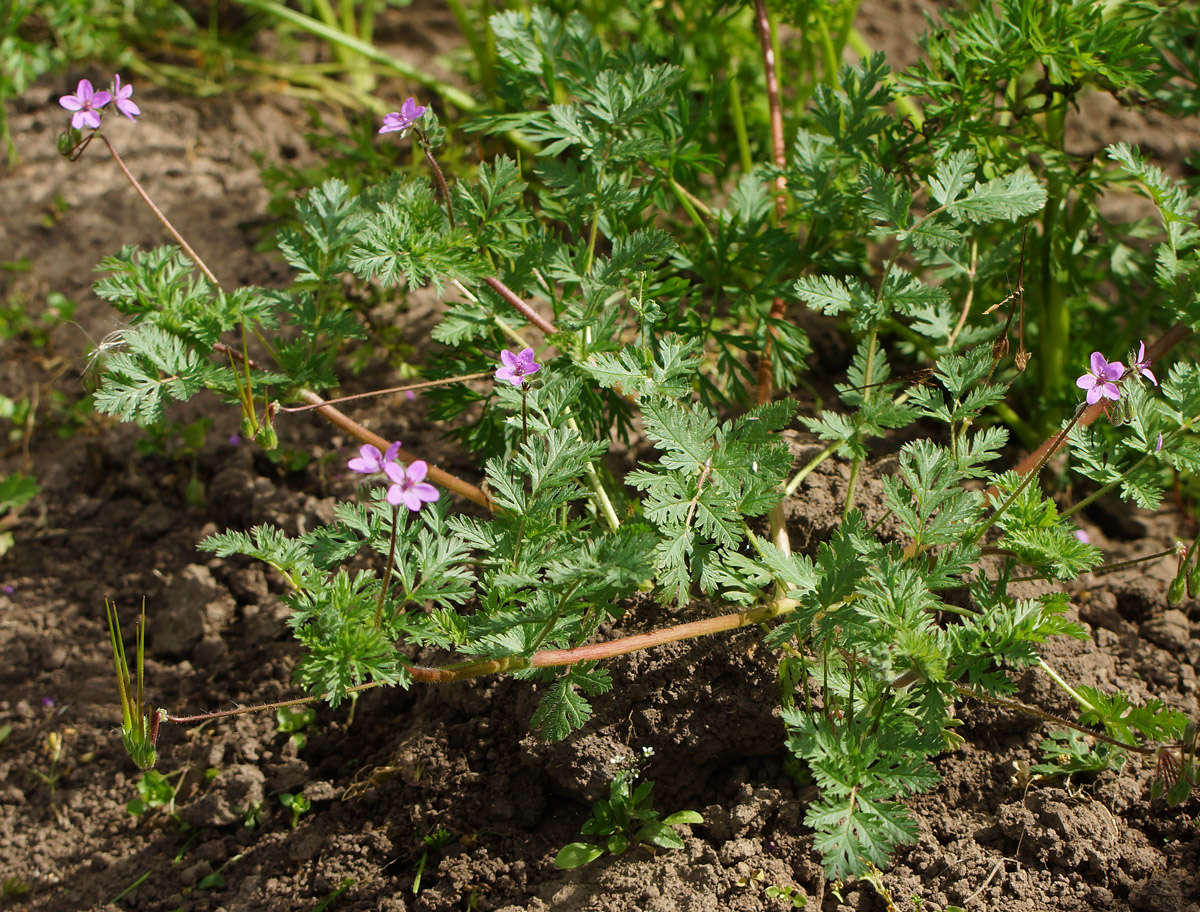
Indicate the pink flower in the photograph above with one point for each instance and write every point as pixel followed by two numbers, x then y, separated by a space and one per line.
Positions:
pixel 1142 364
pixel 370 460
pixel 86 103
pixel 516 367
pixel 1100 381
pixel 410 488
pixel 1082 536
pixel 121 96
pixel 404 119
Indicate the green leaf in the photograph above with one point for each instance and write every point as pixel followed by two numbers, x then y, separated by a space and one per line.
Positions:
pixel 659 834
pixel 563 709
pixel 1010 197
pixel 683 817
pixel 576 855
pixel 17 489
pixel 952 176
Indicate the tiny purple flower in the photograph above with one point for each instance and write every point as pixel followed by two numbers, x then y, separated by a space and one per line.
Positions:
pixel 1082 536
pixel 235 440
pixel 516 367
pixel 370 460
pixel 410 487
pixel 1158 446
pixel 1142 364
pixel 48 702
pixel 121 95
pixel 7 590
pixel 404 119
pixel 1100 381
pixel 86 103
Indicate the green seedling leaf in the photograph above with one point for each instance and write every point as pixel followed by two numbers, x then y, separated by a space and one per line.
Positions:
pixel 576 854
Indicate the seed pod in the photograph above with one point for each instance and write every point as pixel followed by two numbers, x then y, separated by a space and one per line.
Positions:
pixel 1178 586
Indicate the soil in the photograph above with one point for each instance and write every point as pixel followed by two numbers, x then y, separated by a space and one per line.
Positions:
pixel 112 522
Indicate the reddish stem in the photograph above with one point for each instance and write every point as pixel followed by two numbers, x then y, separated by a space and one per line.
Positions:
pixel 552 658
pixel 187 248
pixel 549 658
pixel 356 430
pixel 436 475
pixel 779 154
pixel 526 311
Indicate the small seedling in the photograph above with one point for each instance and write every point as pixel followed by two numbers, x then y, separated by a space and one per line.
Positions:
pixel 297 804
pixel 433 842
pixel 790 894
pixel 292 721
pixel 154 791
pixel 53 748
pixel 625 818
pixel 254 814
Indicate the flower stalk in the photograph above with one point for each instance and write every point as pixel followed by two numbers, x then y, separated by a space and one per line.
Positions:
pixel 139 727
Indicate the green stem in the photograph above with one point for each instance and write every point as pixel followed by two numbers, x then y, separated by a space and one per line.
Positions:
pixel 812 464
pixel 687 202
pixel 1025 431
pixel 387 573
pixel 855 465
pixel 1100 492
pixel 1065 686
pixel 738 115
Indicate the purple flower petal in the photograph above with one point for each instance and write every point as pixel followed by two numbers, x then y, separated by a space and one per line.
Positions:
pixel 417 471
pixel 404 119
pixel 426 492
pixel 368 462
pixel 86 103
pixel 516 367
pixel 122 96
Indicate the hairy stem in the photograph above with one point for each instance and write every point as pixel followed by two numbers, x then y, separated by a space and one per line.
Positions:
pixel 550 658
pixel 187 248
pixel 526 311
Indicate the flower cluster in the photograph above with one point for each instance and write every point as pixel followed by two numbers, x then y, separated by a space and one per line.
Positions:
pixel 1101 381
pixel 408 486
pixel 87 103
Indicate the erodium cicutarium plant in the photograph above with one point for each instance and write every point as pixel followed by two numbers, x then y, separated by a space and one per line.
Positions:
pixel 632 284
